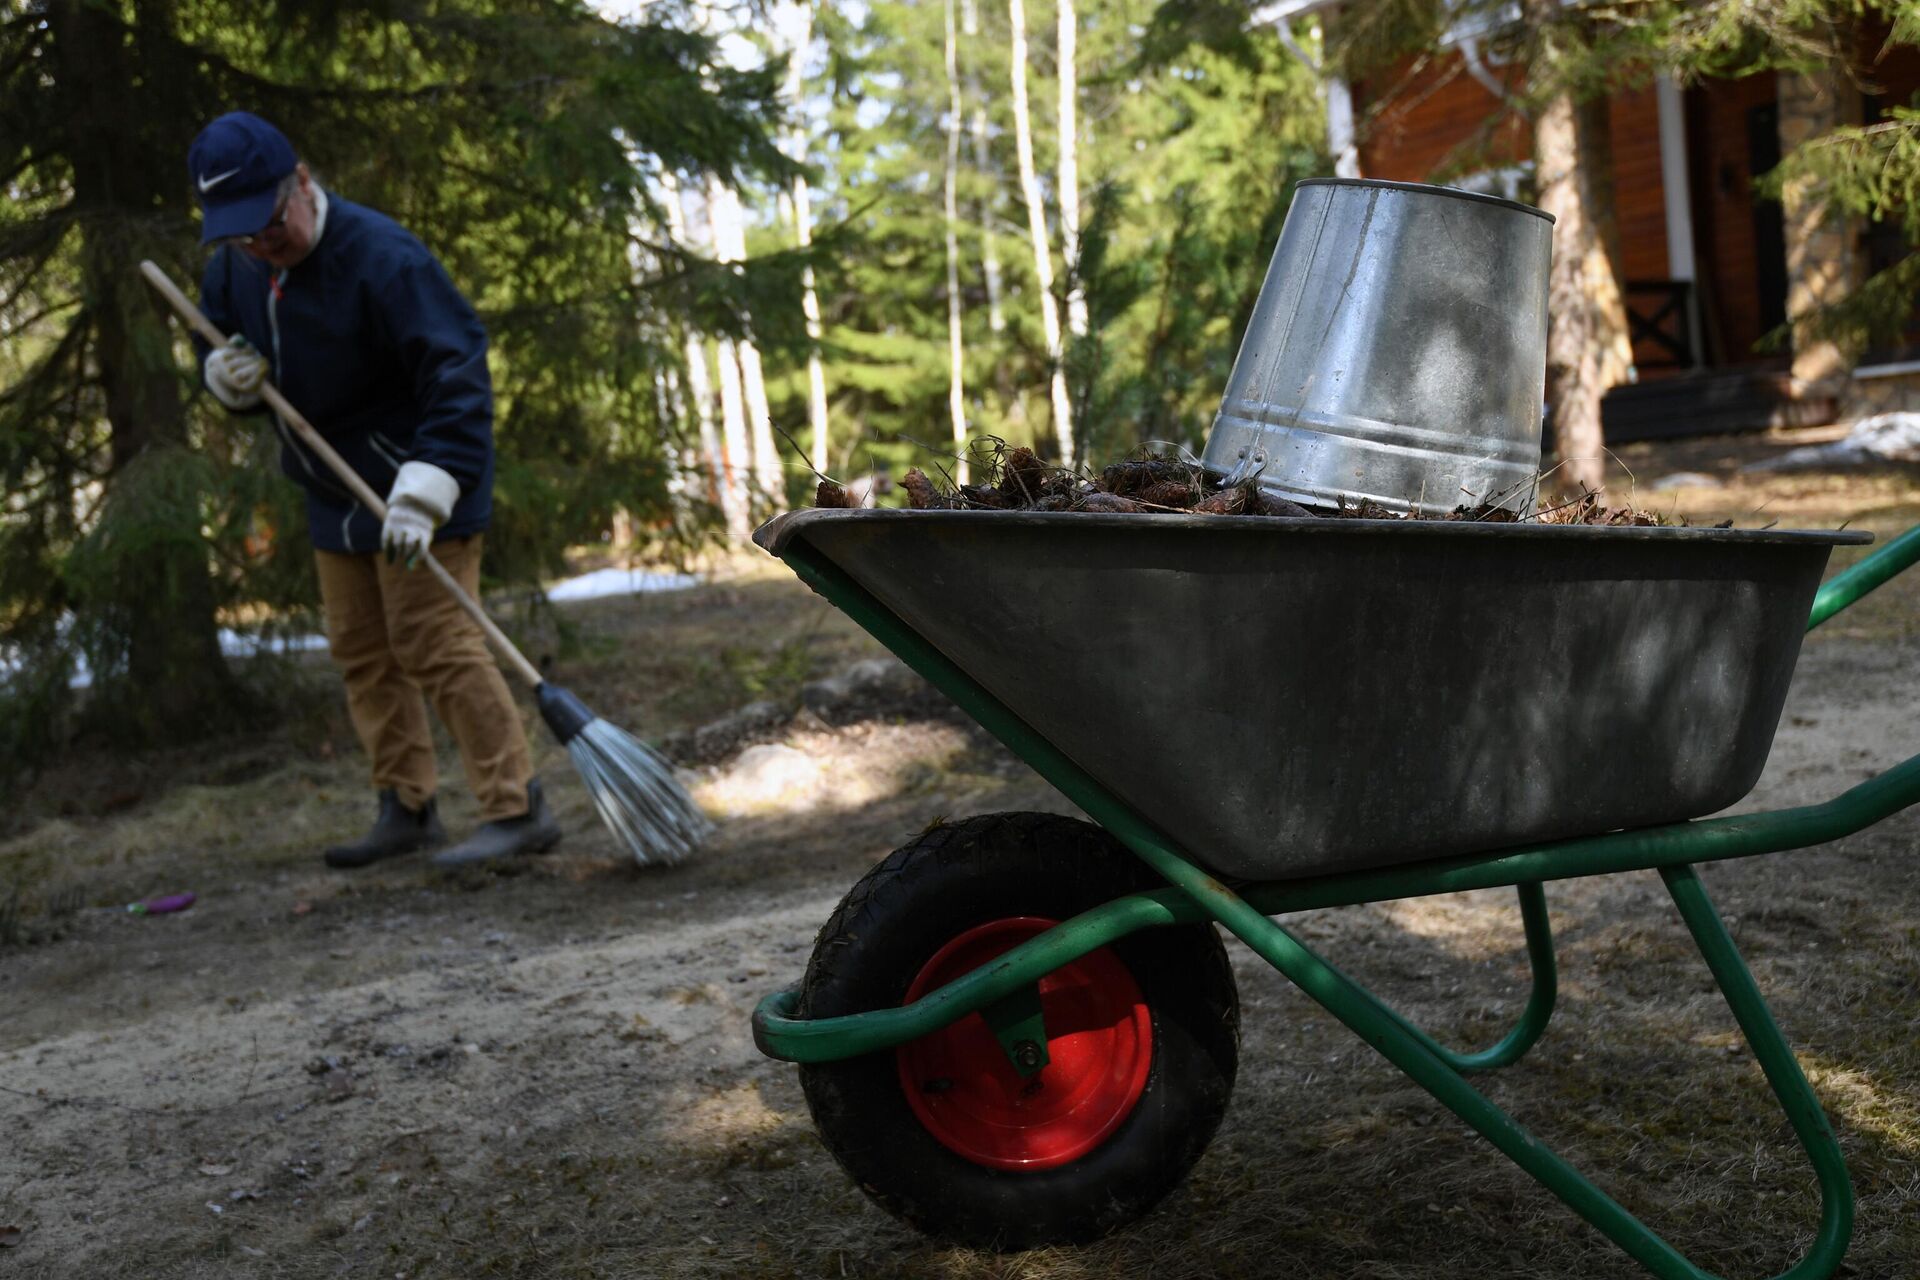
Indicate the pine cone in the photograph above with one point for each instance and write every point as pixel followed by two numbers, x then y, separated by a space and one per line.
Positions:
pixel 1022 476
pixel 1227 502
pixel 979 495
pixel 1130 477
pixel 1262 504
pixel 921 494
pixel 830 494
pixel 1169 493
pixel 1111 503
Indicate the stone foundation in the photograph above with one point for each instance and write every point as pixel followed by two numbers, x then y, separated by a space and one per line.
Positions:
pixel 1892 393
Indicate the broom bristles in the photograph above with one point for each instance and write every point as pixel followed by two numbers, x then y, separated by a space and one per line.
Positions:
pixel 639 799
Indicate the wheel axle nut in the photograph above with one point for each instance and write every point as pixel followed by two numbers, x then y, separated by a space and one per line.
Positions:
pixel 1026 1055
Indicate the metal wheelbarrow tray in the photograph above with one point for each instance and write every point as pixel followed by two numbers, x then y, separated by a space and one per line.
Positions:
pixel 1324 713
pixel 1286 697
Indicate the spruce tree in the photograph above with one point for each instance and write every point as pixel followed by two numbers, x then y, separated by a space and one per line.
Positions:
pixel 501 133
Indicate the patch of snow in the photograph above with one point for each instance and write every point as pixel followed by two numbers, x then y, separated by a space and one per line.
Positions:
pixel 1883 438
pixel 1685 480
pixel 601 584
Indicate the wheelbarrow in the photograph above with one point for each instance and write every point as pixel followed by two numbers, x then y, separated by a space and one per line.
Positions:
pixel 1022 1029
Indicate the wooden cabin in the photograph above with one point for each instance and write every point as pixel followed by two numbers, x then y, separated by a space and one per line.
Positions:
pixel 1710 267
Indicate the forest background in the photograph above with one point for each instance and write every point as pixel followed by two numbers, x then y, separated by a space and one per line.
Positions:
pixel 718 248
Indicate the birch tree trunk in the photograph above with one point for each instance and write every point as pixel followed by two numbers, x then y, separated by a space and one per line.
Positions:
pixel 810 307
pixel 1334 92
pixel 1037 232
pixel 692 475
pixel 719 482
pixel 679 482
pixel 730 245
pixel 1069 167
pixel 733 435
pixel 956 370
pixel 690 485
pixel 803 237
pixel 734 452
pixel 1341 143
pixel 982 158
pixel 727 484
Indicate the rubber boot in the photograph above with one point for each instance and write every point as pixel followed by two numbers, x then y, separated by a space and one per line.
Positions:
pixel 534 831
pixel 396 830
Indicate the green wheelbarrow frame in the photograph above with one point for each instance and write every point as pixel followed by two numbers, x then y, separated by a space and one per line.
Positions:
pixel 1003 989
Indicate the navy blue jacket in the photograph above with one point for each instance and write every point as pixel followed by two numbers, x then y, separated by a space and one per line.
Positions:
pixel 370 340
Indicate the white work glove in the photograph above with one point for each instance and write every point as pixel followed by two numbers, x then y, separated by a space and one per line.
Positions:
pixel 234 373
pixel 421 500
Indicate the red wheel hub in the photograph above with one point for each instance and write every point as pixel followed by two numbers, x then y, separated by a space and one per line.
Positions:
pixel 1099 1045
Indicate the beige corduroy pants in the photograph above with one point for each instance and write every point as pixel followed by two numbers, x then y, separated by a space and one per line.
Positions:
pixel 396 635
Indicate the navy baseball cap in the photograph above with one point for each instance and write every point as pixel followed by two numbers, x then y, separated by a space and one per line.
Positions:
pixel 237 164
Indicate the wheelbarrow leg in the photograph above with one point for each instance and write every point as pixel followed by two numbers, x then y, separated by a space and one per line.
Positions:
pixel 1380 1027
pixel 1540 1000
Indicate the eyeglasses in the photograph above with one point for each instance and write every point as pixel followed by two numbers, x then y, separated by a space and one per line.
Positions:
pixel 275 225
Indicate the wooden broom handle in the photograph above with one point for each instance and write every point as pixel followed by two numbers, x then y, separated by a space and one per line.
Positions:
pixel 191 315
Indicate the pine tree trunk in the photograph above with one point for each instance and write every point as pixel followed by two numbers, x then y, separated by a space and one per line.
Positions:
pixel 1606 275
pixel 1069 167
pixel 1576 346
pixel 146 602
pixel 956 352
pixel 1037 233
pixel 1588 350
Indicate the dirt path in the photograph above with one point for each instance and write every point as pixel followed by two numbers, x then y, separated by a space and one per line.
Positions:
pixel 551 1075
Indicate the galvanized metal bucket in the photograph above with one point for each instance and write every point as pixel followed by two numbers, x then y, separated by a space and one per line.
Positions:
pixel 1397 351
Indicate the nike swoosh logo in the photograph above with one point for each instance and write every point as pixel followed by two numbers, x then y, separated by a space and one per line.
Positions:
pixel 208 184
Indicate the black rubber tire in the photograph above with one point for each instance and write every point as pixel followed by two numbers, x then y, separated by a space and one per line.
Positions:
pixel 950 879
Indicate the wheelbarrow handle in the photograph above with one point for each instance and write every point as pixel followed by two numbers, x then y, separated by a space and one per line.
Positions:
pixel 362 492
pixel 1855 581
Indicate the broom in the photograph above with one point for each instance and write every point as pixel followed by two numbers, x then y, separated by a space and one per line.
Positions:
pixel 634 789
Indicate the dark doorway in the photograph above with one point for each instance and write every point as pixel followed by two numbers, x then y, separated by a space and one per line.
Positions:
pixel 1887 243
pixel 1769 225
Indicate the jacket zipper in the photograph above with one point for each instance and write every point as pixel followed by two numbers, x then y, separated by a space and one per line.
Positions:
pixel 384 447
pixel 275 286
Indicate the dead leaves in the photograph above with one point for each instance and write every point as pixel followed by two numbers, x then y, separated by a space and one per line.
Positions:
pixel 1018 480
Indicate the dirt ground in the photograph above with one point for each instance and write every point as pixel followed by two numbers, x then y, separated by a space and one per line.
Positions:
pixel 550 1074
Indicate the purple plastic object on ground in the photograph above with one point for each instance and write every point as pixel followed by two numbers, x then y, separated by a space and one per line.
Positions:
pixel 161 906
